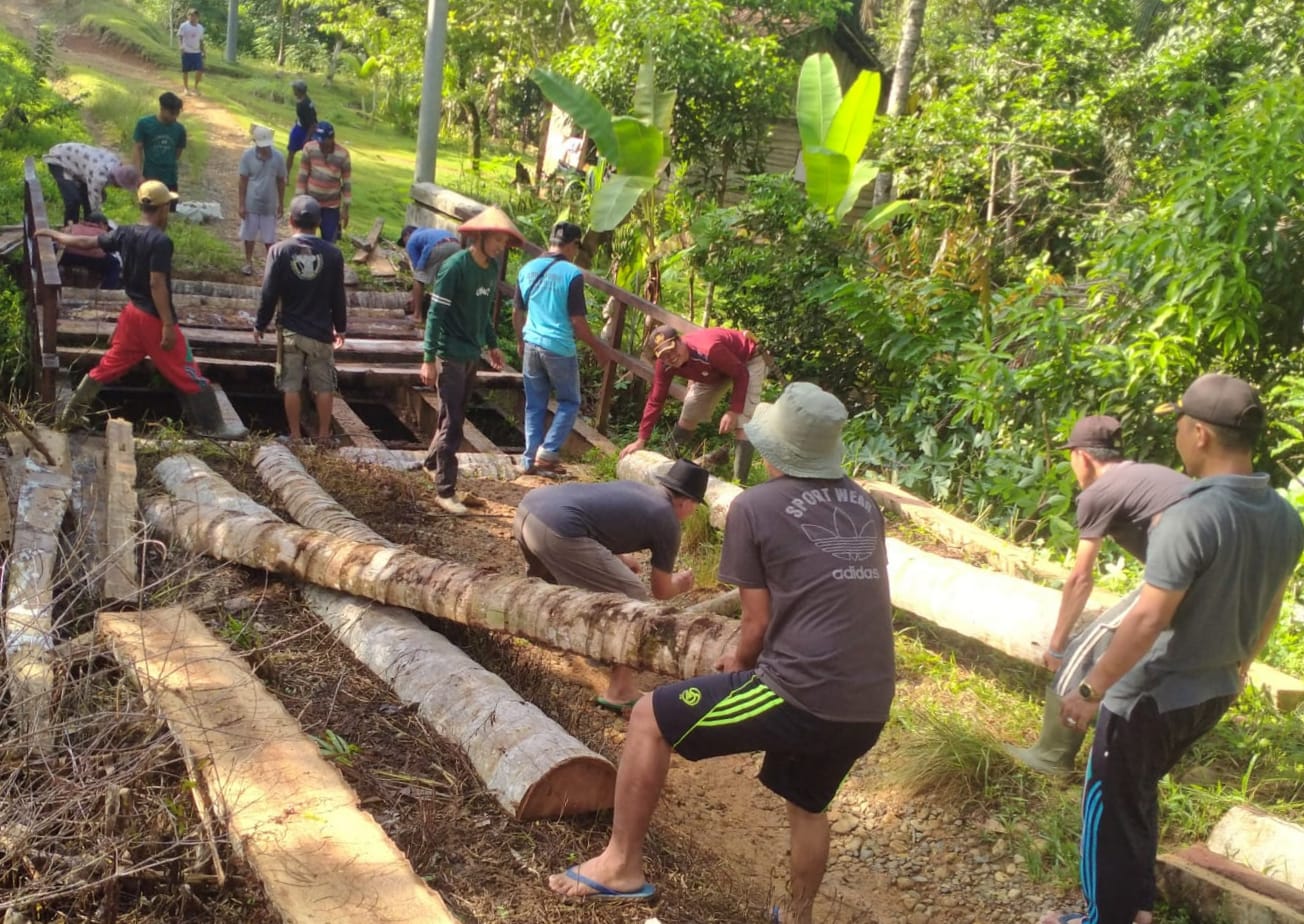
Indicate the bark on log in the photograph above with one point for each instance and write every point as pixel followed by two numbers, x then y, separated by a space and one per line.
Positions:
pixel 1219 890
pixel 726 604
pixel 120 514
pixel 1265 843
pixel 489 465
pixel 607 627
pixel 319 855
pixel 646 466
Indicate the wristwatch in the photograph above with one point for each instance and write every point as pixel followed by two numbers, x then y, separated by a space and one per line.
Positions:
pixel 1088 692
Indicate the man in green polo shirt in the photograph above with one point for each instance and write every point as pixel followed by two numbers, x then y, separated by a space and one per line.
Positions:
pixel 459 327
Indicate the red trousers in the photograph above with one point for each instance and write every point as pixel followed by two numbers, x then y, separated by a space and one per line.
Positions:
pixel 137 337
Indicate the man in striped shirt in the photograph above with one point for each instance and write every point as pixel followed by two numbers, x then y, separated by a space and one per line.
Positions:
pixel 325 173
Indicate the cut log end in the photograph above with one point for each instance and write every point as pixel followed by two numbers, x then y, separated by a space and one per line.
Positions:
pixel 579 786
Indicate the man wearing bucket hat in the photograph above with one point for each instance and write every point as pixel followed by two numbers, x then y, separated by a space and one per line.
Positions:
pixel 582 535
pixel 811 679
pixel 550 316
pixel 326 174
pixel 262 192
pixel 147 327
pixel 712 359
pixel 1216 571
pixel 1120 499
pixel 83 172
pixel 459 327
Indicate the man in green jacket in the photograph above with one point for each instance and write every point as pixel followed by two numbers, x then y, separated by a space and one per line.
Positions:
pixel 459 327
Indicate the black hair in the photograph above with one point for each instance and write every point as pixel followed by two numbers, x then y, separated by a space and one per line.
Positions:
pixel 1236 439
pixel 170 101
pixel 1103 454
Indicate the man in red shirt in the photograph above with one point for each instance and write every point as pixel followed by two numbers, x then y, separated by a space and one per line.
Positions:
pixel 711 359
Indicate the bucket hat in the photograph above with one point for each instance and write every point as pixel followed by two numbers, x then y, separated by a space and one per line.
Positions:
pixel 1223 400
pixel 491 219
pixel 686 478
pixel 801 433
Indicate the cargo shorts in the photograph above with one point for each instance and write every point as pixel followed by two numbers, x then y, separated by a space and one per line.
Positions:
pixel 300 355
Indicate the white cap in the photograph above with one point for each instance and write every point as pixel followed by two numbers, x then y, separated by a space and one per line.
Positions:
pixel 262 136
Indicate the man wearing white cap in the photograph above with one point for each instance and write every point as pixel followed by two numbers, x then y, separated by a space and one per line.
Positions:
pixel 82 172
pixel 812 677
pixel 459 328
pixel 262 192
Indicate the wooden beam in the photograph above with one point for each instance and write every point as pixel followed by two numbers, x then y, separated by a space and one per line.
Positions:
pixel 290 814
pixel 368 244
pixel 492 465
pixel 426 401
pixel 230 416
pixel 377 325
pixel 355 430
pixel 1265 843
pixel 121 517
pixel 1219 890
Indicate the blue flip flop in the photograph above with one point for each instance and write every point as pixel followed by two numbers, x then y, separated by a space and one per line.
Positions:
pixel 602 893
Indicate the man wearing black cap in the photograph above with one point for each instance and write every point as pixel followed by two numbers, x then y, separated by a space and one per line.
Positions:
pixel 1120 499
pixel 1216 571
pixel 305 274
pixel 712 359
pixel 550 316
pixel 582 535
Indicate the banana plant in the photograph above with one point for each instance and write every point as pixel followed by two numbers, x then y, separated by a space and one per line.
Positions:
pixel 834 130
pixel 636 145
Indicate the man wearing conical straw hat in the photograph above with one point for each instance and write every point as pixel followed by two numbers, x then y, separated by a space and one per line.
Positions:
pixel 459 328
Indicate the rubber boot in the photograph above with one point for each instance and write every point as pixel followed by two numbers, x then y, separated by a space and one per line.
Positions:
pixel 206 416
pixel 679 440
pixel 1057 748
pixel 74 415
pixel 742 460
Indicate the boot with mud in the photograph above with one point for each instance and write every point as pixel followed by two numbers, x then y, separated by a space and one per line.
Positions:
pixel 1056 751
pixel 74 415
pixel 205 416
pixel 743 452
pixel 680 437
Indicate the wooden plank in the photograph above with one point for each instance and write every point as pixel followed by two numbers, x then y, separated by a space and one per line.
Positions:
pixel 610 367
pixel 354 428
pixel 1269 845
pixel 297 823
pixel 368 244
pixel 121 516
pixel 362 322
pixel 471 435
pixel 495 466
pixel 1218 890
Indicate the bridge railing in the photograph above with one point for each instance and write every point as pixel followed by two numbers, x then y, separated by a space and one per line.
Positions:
pixel 40 277
pixel 453 207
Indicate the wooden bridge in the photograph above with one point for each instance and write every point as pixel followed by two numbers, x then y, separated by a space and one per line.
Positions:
pixel 381 402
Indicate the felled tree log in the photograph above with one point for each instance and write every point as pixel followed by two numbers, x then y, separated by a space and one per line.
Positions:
pixel 532 765
pixel 489 465
pixel 291 815
pixel 646 466
pixel 607 627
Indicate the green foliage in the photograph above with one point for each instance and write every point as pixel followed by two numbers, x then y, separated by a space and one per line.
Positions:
pixel 834 130
pixel 335 749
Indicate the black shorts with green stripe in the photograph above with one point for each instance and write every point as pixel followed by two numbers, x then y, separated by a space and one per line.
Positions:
pixel 806 757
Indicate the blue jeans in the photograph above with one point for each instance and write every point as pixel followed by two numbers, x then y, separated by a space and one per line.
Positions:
pixel 545 372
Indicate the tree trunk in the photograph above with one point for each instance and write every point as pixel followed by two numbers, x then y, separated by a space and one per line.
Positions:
pixel 292 817
pixel 489 465
pixel 912 28
pixel 646 466
pixel 532 765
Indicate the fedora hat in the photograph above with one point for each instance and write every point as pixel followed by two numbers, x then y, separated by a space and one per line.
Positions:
pixel 491 219
pixel 686 478
pixel 801 433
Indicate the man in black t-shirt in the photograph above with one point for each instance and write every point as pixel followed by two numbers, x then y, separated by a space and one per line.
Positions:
pixel 305 123
pixel 147 326
pixel 1120 499
pixel 305 274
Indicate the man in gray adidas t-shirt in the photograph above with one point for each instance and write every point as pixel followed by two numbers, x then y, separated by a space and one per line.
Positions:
pixel 811 678
pixel 1216 571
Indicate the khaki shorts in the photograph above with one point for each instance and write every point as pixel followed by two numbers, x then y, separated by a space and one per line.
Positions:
pixel 701 399
pixel 300 354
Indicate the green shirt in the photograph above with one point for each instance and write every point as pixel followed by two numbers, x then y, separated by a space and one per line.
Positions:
pixel 162 146
pixel 460 323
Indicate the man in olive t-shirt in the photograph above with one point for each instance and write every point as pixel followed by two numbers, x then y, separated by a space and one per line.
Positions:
pixel 811 678
pixel 1180 655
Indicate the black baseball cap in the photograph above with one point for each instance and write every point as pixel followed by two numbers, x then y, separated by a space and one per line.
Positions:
pixel 565 232
pixel 1222 400
pixel 1099 431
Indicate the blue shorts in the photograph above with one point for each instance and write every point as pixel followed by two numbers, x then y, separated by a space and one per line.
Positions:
pixel 806 757
pixel 298 138
pixel 192 61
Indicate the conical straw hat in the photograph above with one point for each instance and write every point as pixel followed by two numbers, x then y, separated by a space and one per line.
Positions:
pixel 490 220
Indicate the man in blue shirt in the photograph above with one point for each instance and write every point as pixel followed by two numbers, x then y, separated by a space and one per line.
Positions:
pixel 549 317
pixel 1217 564
pixel 427 249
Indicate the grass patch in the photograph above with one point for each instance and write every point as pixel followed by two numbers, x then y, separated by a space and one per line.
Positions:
pixel 699 547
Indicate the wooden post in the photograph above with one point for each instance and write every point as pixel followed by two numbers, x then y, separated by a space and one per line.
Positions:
pixel 44 276
pixel 610 370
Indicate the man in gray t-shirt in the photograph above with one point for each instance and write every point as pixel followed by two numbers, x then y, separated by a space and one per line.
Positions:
pixel 262 192
pixel 581 535
pixel 1216 571
pixel 1120 499
pixel 811 678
